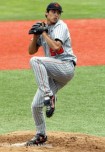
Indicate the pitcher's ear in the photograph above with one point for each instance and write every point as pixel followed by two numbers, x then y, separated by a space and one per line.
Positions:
pixel 46 14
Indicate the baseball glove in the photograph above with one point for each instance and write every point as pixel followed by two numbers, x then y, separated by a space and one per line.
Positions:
pixel 38 28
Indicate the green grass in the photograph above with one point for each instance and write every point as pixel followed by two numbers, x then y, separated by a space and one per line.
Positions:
pixel 35 9
pixel 80 106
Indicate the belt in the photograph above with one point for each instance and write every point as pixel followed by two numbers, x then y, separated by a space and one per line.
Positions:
pixel 74 63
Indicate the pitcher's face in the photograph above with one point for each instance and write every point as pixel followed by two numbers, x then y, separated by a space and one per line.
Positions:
pixel 53 16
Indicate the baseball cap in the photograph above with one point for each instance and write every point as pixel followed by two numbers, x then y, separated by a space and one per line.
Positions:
pixel 54 6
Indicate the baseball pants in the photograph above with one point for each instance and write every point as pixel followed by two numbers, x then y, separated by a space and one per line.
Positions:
pixel 51 75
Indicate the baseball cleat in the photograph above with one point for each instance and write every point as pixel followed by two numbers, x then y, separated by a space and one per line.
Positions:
pixel 39 139
pixel 49 102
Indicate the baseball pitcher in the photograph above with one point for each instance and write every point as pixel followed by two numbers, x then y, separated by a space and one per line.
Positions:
pixel 53 71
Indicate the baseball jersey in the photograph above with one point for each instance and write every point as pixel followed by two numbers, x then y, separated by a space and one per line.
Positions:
pixel 59 31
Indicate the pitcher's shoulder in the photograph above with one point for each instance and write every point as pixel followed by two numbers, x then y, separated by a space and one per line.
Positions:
pixel 61 23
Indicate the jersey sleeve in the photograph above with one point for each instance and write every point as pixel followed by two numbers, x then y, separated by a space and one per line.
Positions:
pixel 61 33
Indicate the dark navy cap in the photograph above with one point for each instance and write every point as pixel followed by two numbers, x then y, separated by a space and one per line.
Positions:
pixel 54 6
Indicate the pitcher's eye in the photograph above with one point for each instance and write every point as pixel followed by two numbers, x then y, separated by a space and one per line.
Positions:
pixel 56 11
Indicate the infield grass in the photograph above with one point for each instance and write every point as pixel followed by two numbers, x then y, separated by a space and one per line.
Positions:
pixel 80 105
pixel 35 9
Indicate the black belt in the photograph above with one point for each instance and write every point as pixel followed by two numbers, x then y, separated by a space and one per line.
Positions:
pixel 74 63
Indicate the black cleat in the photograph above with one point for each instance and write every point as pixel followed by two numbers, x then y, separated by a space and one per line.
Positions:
pixel 39 139
pixel 50 105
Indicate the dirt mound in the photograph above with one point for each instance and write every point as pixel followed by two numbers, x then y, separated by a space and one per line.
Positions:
pixel 57 141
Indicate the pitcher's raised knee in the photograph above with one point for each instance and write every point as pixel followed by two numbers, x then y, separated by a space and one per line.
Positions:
pixel 33 60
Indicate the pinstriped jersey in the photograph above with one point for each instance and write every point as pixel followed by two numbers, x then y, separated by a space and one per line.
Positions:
pixel 59 31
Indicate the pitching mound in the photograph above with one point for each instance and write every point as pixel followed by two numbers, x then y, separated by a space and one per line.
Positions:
pixel 57 141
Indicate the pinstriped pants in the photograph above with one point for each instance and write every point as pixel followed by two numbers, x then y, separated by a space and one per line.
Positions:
pixel 51 75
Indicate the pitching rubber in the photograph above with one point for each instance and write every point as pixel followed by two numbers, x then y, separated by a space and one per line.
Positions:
pixel 24 145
